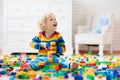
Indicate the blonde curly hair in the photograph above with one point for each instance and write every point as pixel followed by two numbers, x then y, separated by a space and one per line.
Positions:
pixel 42 22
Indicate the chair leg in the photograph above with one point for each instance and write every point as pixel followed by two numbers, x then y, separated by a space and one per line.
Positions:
pixel 76 48
pixel 89 49
pixel 101 47
pixel 111 49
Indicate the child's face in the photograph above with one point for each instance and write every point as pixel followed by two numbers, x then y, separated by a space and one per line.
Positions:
pixel 51 23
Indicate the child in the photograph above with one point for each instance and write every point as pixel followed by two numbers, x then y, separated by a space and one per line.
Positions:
pixel 48 42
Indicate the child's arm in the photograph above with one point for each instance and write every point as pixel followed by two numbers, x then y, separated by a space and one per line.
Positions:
pixel 37 44
pixel 61 46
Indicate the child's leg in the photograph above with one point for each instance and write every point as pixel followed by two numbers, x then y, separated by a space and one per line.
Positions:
pixel 34 63
pixel 70 65
pixel 42 58
pixel 66 65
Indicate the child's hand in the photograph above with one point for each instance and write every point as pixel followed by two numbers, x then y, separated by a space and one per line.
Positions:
pixel 62 56
pixel 44 45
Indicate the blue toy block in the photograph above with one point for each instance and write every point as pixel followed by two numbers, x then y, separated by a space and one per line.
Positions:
pixel 78 77
pixel 51 70
pixel 108 77
pixel 0 65
pixel 13 73
pixel 1 61
pixel 112 73
pixel 117 69
pixel 104 68
pixel 66 76
pixel 34 66
pixel 12 78
pixel 4 67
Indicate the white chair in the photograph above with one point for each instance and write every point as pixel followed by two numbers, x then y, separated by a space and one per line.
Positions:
pixel 84 36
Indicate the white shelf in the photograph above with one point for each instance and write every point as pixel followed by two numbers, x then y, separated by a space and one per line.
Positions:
pixel 21 16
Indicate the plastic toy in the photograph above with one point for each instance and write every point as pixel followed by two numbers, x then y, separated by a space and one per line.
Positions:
pixel 89 71
pixel 89 77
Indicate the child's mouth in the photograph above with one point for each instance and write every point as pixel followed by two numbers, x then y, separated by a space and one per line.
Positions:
pixel 55 25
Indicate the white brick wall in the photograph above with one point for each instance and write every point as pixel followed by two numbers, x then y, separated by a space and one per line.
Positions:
pixel 116 40
pixel 1 24
pixel 81 7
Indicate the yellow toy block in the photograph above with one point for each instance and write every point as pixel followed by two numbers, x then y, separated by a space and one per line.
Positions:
pixel 61 77
pixel 46 78
pixel 32 74
pixel 89 71
pixel 41 63
pixel 64 69
pixel 50 59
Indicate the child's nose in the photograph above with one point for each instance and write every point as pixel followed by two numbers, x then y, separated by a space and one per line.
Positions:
pixel 55 21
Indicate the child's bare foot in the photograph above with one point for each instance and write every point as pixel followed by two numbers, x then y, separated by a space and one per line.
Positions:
pixel 74 66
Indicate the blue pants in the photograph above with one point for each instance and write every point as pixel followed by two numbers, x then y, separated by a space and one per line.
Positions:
pixel 56 59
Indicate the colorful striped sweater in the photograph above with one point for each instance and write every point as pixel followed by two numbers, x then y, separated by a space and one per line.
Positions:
pixel 55 43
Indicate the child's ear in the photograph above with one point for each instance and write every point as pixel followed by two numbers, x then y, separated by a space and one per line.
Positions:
pixel 42 24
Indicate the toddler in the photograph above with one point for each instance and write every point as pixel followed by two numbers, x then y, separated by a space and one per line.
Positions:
pixel 49 42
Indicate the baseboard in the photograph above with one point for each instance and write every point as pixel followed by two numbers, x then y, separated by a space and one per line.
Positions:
pixel 96 51
pixel 85 51
pixel 28 53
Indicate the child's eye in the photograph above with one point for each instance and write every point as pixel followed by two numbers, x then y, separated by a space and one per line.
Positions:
pixel 52 19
